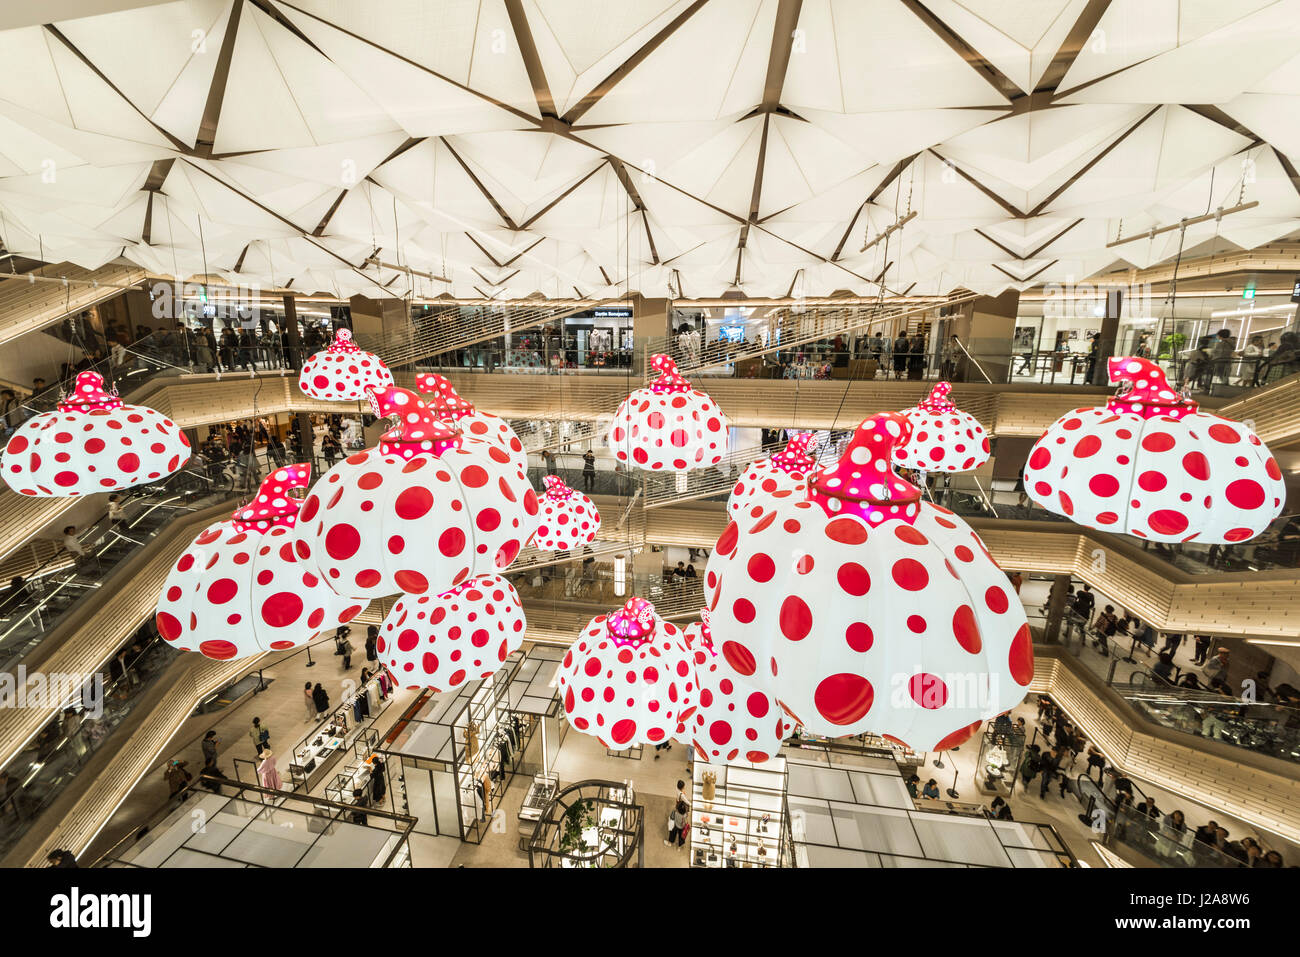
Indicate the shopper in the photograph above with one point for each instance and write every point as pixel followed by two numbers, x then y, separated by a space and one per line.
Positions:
pixel 372 642
pixel 1048 767
pixel 1172 642
pixel 931 790
pixel 259 735
pixel 209 747
pixel 61 858
pixel 378 786
pixel 588 471
pixel 1096 760
pixel 1202 650
pixel 913 783
pixel 321 699
pixel 311 701
pixel 342 646
pixel 1216 669
pixel 267 773
pixel 71 545
pixel 678 820
pixel 177 779
pixel 1000 810
pixel 1084 602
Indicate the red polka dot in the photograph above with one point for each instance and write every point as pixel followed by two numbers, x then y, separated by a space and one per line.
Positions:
pixel 739 657
pixel 1087 446
pixel 853 578
pixel 966 630
pixel 411 581
pixel 1152 481
pixel 168 626
pixel 1103 484
pixel 761 568
pixel 996 599
pixel 281 609
pixel 1196 465
pixel 927 690
pixel 1167 522
pixel 1224 433
pixel 451 542
pixel 474 476
pixel 859 636
pixel 910 574
pixel 1020 659
pixel 1245 493
pixel 218 649
pixel 128 462
pixel 1158 442
pixel 795 618
pixel 843 698
pixel 743 609
pixel 222 590
pixel 342 542
pixel 413 503
pixel 846 531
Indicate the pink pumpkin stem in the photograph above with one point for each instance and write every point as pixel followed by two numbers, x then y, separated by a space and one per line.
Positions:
pixel 863 482
pixel 556 490
pixel 88 395
pixel 447 402
pixel 272 505
pixel 937 400
pixel 1150 393
pixel 795 457
pixel 343 342
pixel 632 624
pixel 669 380
pixel 416 429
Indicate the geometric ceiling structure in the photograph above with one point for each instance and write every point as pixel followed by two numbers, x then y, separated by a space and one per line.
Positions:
pixel 510 148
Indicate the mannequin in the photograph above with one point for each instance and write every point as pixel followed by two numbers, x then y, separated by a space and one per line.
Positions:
pixel 267 773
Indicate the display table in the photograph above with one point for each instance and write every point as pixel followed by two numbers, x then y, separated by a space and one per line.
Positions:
pixel 540 794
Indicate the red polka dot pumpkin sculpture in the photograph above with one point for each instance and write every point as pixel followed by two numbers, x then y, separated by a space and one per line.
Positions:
pixel 779 476
pixel 93 443
pixel 442 641
pixel 343 371
pixel 1151 465
pixel 944 438
pixel 240 589
pixel 668 425
pixel 451 408
pixel 733 720
pixel 628 678
pixel 423 512
pixel 861 608
pixel 569 518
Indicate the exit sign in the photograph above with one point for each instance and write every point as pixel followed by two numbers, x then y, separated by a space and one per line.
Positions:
pixel 1249 291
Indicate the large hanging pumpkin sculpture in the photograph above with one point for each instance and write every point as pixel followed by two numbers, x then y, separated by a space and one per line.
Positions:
pixel 423 512
pixel 628 678
pixel 93 443
pixel 1151 464
pixel 569 519
pixel 241 590
pixel 668 426
pixel 944 438
pixel 343 371
pixel 442 641
pixel 861 608
pixel 733 719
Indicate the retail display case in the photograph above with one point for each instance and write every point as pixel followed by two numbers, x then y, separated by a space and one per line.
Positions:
pixel 738 814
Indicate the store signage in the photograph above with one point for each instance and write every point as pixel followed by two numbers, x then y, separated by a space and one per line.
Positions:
pixel 617 313
pixel 1295 290
pixel 1249 291
pixel 732 333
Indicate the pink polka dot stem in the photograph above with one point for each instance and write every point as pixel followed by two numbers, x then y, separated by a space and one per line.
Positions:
pixel 1150 394
pixel 416 428
pixel 669 380
pixel 447 402
pixel 937 401
pixel 862 482
pixel 556 490
pixel 795 457
pixel 272 505
pixel 88 394
pixel 632 624
pixel 343 342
